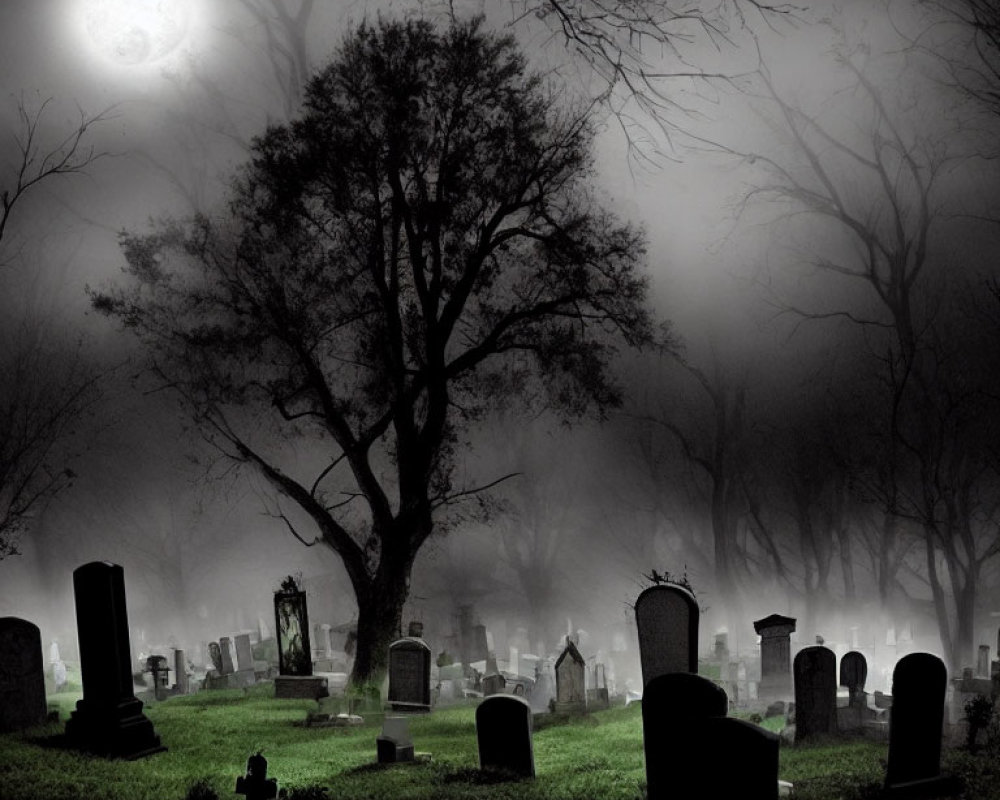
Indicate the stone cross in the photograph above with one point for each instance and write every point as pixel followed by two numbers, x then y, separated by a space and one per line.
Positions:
pixel 22 675
pixel 666 617
pixel 815 692
pixel 503 732
pixel 109 719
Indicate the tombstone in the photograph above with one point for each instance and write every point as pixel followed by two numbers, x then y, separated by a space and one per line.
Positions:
pixel 215 654
pixel 157 667
pixel 326 640
pixel 815 692
pixel 671 703
pixel 853 674
pixel 109 719
pixel 394 745
pixel 721 653
pixel 666 617
pixel 775 656
pixel 291 622
pixel 22 675
pixel 410 675
pixel 571 695
pixel 503 732
pixel 244 675
pixel 493 684
pixel 514 660
pixel 480 648
pixel 255 785
pixel 597 695
pixel 919 682
pixel 226 649
pixel 983 661
pixel 181 685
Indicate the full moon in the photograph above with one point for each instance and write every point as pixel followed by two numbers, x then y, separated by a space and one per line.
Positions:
pixel 132 32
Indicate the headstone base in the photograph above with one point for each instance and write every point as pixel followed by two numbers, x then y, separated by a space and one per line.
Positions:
pixel 941 786
pixel 391 753
pixel 118 731
pixel 295 687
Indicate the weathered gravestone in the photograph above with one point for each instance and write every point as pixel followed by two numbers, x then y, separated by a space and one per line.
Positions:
pixel 983 661
pixel 410 675
pixel 775 656
pixel 226 650
pixel 666 617
pixel 815 692
pixel 670 704
pixel 291 621
pixel 597 695
pixel 22 675
pixel 571 676
pixel 503 731
pixel 919 682
pixel 109 719
pixel 215 654
pixel 244 675
pixel 182 684
pixel 493 684
pixel 853 674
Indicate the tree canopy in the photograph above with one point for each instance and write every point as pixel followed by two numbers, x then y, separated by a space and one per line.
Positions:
pixel 420 246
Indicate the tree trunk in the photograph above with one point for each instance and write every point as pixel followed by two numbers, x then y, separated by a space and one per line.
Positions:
pixel 380 616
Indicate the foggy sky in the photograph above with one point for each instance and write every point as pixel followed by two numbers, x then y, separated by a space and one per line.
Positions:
pixel 713 275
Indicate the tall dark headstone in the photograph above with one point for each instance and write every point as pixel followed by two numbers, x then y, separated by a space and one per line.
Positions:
pixel 410 675
pixel 109 719
pixel 666 617
pixel 671 704
pixel 291 620
pixel 503 730
pixel 919 682
pixel 775 656
pixel 22 675
pixel 815 671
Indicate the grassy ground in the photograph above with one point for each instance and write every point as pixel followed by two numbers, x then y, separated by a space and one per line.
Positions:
pixel 209 735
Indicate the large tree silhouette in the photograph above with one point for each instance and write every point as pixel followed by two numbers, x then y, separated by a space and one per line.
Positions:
pixel 420 246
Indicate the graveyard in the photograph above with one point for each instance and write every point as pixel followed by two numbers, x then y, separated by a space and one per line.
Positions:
pixel 804 729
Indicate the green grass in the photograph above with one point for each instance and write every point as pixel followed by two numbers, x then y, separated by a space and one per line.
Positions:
pixel 210 735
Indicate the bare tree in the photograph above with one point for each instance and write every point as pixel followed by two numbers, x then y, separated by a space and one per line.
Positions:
pixel 47 385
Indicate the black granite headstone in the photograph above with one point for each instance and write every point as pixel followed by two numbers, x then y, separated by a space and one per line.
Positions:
pixel 410 675
pixel 109 719
pixel 853 674
pixel 919 682
pixel 503 730
pixel 671 704
pixel 22 675
pixel 815 670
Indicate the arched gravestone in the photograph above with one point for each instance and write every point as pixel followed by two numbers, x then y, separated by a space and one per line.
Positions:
pixel 853 674
pixel 671 703
pixel 109 719
pixel 410 675
pixel 919 682
pixel 815 670
pixel 666 617
pixel 503 732
pixel 22 675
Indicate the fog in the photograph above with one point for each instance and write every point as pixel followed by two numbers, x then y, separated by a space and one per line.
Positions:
pixel 754 428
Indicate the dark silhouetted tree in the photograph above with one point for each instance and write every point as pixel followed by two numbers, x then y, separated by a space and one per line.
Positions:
pixel 419 247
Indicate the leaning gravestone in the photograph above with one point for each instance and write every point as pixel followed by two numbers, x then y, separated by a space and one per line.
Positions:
pixel 666 616
pixel 571 677
pixel 410 675
pixel 815 671
pixel 671 703
pixel 22 675
pixel 109 719
pixel 919 682
pixel 503 731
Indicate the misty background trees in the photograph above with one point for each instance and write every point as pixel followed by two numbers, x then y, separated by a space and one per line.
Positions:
pixel 818 189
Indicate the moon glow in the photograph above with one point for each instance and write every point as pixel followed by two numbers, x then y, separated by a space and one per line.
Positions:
pixel 133 32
